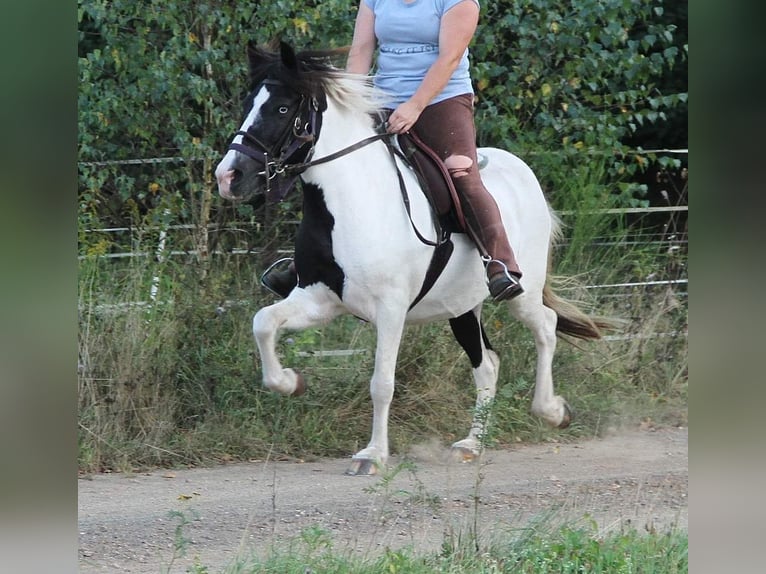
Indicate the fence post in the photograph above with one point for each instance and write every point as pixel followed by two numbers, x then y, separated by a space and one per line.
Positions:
pixel 160 256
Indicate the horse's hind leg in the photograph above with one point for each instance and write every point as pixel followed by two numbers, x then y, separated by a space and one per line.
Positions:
pixel 299 311
pixel 470 334
pixel 541 320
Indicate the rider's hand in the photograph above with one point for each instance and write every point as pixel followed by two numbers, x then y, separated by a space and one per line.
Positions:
pixel 404 117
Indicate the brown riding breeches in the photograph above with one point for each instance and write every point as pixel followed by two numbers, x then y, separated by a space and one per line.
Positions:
pixel 448 129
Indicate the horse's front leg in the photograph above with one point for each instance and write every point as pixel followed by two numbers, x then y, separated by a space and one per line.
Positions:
pixel 390 326
pixel 300 310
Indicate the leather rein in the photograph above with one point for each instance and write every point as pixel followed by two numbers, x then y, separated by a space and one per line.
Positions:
pixel 278 159
pixel 283 173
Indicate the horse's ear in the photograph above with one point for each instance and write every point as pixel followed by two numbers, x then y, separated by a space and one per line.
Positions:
pixel 256 58
pixel 288 56
pixel 254 54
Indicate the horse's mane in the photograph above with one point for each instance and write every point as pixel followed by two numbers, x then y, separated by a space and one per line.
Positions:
pixel 315 73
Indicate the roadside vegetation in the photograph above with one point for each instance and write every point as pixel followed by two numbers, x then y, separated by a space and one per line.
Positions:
pixel 542 545
pixel 567 550
pixel 175 381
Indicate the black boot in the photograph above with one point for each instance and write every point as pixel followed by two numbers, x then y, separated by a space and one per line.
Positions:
pixel 280 278
pixel 504 286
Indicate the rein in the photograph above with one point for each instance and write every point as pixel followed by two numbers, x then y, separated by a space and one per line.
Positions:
pixel 301 167
pixel 296 169
pixel 286 148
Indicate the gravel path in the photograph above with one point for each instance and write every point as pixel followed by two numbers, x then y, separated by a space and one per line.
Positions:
pixel 127 523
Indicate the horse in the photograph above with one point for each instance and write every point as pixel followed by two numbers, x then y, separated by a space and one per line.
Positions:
pixel 357 248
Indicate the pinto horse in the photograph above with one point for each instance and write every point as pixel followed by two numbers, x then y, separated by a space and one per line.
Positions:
pixel 363 249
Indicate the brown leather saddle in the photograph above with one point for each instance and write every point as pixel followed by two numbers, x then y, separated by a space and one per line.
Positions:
pixel 439 190
pixel 435 182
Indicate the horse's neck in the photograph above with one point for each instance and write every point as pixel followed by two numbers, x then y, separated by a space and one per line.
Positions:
pixel 365 175
pixel 361 190
pixel 341 128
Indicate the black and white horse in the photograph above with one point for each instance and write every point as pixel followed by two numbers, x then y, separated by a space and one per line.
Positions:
pixel 357 251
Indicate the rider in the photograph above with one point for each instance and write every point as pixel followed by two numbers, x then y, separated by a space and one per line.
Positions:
pixel 423 66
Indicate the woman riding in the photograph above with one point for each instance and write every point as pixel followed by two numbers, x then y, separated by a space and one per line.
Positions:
pixel 423 67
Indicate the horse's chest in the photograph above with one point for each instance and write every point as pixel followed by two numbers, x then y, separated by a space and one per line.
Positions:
pixel 314 249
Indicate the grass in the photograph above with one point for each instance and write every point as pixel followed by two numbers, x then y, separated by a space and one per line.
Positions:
pixel 532 550
pixel 178 383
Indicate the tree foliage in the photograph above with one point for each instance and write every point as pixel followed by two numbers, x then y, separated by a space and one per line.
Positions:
pixel 580 72
pixel 165 78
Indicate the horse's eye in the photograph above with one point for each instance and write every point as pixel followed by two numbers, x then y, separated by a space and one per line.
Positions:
pixel 283 109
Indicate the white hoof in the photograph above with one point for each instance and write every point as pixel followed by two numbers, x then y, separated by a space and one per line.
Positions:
pixel 367 462
pixel 363 467
pixel 466 450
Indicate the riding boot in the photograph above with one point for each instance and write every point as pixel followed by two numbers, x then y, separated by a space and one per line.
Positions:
pixel 486 228
pixel 280 278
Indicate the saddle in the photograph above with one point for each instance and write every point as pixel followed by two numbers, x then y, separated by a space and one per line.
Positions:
pixel 435 181
pixel 439 190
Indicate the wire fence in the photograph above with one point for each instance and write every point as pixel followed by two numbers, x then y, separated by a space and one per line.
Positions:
pixel 670 243
pixel 160 250
pixel 673 242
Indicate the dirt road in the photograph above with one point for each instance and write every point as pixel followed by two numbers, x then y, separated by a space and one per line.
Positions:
pixel 638 478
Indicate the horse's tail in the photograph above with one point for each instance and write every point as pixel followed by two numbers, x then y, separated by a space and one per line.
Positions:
pixel 572 320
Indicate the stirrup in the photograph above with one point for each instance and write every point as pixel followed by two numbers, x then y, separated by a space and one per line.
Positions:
pixel 503 285
pixel 280 282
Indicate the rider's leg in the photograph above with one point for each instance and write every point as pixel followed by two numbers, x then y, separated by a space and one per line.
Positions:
pixel 483 217
pixel 448 128
pixel 280 278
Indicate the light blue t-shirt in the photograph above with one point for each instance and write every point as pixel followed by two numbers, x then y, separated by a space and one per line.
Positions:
pixel 408 43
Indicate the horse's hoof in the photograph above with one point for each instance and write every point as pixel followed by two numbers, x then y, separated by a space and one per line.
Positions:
pixel 568 416
pixel 362 467
pixel 463 454
pixel 300 385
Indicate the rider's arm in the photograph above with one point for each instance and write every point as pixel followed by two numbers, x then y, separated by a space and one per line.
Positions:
pixel 455 33
pixel 456 30
pixel 363 44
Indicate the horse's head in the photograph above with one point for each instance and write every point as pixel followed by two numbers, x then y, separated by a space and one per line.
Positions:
pixel 282 119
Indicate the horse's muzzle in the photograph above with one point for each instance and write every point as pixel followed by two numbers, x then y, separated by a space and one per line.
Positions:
pixel 225 179
pixel 239 177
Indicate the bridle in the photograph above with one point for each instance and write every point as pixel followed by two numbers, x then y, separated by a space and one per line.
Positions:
pixel 294 145
pixel 289 157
